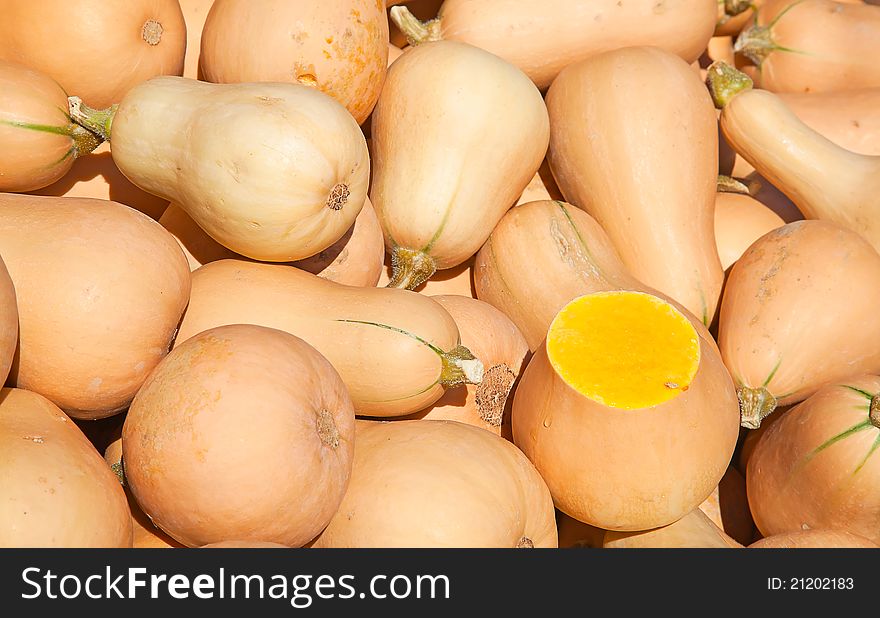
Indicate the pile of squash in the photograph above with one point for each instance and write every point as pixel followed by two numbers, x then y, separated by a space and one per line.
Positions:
pixel 470 273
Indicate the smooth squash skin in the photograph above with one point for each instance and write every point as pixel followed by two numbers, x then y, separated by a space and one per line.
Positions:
pixel 100 288
pixel 195 12
pixel 814 45
pixel 728 507
pixel 694 530
pixel 497 342
pixel 440 484
pixel 355 259
pixel 96 50
pixel 634 142
pixel 40 142
pixel 396 350
pixel 627 439
pixel 457 135
pixel 276 172
pixel 8 322
pixel 812 539
pixel 543 38
pixel 818 465
pixel 824 180
pixel 799 312
pixel 71 497
pixel 339 47
pixel 740 220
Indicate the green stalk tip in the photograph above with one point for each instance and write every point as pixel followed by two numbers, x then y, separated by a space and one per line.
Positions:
pixel 98 121
pixel 410 268
pixel 725 82
pixel 755 404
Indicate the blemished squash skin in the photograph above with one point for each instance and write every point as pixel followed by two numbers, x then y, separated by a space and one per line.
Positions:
pixel 195 447
pixel 122 282
pixel 694 530
pixel 448 113
pixel 824 180
pixel 627 469
pixel 355 259
pixel 778 355
pixel 8 322
pixel 273 171
pixel 818 467
pixel 40 142
pixel 396 350
pixel 72 498
pixel 339 47
pixel 543 38
pixel 740 220
pixel 814 45
pixel 440 483
pixel 808 539
pixel 634 142
pixel 112 47
pixel 497 342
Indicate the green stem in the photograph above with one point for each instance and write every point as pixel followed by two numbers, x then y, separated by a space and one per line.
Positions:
pixel 97 121
pixel 726 184
pixel 410 268
pixel 415 30
pixel 460 366
pixel 84 141
pixel 725 82
pixel 755 404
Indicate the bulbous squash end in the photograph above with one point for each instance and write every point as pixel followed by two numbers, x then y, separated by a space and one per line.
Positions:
pixel 725 82
pixel 410 268
pixel 415 30
pixel 755 404
pixel 98 121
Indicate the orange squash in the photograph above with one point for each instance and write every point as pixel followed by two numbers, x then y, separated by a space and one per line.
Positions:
pixel 194 449
pixel 786 326
pixel 624 158
pixel 739 221
pixel 70 496
pixel 100 288
pixel 694 530
pixel 806 539
pixel 339 47
pixel 626 437
pixel 543 41
pixel 816 466
pixel 96 50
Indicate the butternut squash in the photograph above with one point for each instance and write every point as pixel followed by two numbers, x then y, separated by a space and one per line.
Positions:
pixel 440 484
pixel 728 507
pixel 8 322
pixel 625 158
pixel 195 12
pixel 275 172
pixel 816 466
pixel 814 45
pixel 396 350
pixel 57 492
pixel 806 539
pixel 496 341
pixel 543 40
pixel 95 49
pixel 778 355
pixel 100 289
pixel 39 141
pixel 355 259
pixel 824 180
pixel 739 221
pixel 448 113
pixel 627 413
pixel 339 47
pixel 694 530
pixel 195 448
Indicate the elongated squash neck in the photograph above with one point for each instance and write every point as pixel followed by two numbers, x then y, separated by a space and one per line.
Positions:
pixel 98 121
pixel 415 30
pixel 410 268
pixel 874 415
pixel 755 404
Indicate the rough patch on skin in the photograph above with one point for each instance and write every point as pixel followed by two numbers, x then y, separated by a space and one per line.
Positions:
pixel 525 543
pixel 152 32
pixel 338 196
pixel 492 392
pixel 327 430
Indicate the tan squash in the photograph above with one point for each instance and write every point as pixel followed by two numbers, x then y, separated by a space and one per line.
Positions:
pixel 39 141
pixel 824 180
pixel 95 49
pixel 816 466
pixel 798 313
pixel 497 342
pixel 806 539
pixel 447 113
pixel 624 158
pixel 100 290
pixel 577 534
pixel 542 255
pixel 739 221
pixel 355 259
pixel 8 322
pixel 195 448
pixel 195 12
pixel 57 492
pixel 542 41
pixel 282 181
pixel 440 484
pixel 728 507
pixel 694 530
pixel 397 351
pixel 626 438
pixel 814 45
pixel 339 47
